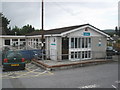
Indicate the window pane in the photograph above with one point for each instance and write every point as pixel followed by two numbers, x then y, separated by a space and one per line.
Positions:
pixel 89 43
pixel 14 39
pixel 85 54
pixel 75 42
pixel 7 42
pixel 79 40
pixel 75 54
pixel 86 43
pixel 22 39
pixel 79 54
pixel 82 54
pixel 72 42
pixel 37 40
pixel 72 54
pixel 89 54
pixel 82 42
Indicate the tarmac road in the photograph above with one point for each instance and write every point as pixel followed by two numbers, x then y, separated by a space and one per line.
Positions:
pixel 97 76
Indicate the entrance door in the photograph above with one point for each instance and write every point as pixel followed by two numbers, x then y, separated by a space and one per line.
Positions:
pixel 53 48
pixel 65 48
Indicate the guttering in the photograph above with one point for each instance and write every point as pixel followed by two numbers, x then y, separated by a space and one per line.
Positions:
pixel 12 36
pixel 53 35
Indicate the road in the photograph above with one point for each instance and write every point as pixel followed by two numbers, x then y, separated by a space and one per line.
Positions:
pixel 97 76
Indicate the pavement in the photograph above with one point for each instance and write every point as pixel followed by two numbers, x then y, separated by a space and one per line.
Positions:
pixel 97 76
pixel 51 62
pixel 66 64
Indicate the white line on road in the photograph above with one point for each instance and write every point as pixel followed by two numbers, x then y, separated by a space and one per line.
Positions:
pixel 89 86
pixel 114 87
pixel 117 82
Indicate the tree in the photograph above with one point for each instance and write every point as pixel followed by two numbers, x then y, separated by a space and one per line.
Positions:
pixel 5 23
pixel 117 31
pixel 27 29
pixel 16 30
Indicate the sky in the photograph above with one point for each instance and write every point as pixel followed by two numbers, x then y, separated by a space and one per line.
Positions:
pixel 102 14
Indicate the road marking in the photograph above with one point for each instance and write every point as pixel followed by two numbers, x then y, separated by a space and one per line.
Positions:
pixel 10 73
pixel 89 86
pixel 30 71
pixel 117 82
pixel 31 66
pixel 27 69
pixel 45 72
pixel 114 87
pixel 34 70
pixel 29 76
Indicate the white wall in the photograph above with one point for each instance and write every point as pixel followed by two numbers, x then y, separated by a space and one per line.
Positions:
pixel 53 47
pixel 79 33
pixel 95 36
pixel 1 42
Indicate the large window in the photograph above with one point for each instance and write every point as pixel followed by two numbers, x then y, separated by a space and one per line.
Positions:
pixel 80 42
pixel 81 47
pixel 81 55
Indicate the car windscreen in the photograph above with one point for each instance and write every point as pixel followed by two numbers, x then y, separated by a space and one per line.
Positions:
pixel 109 48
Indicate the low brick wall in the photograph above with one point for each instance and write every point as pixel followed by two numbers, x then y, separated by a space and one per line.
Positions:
pixel 71 65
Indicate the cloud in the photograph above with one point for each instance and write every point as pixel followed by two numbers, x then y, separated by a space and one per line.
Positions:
pixel 100 13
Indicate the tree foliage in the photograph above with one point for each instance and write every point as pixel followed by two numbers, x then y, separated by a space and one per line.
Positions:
pixel 27 29
pixel 5 24
pixel 117 30
pixel 16 31
pixel 22 31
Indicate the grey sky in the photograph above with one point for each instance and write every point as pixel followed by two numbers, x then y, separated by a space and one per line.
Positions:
pixel 102 14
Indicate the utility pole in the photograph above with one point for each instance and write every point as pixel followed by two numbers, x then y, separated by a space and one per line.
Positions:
pixel 42 25
pixel 42 15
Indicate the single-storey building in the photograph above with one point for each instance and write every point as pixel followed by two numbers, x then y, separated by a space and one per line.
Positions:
pixel 79 42
pixel 73 43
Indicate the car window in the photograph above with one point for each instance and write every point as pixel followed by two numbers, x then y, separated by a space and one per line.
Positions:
pixel 13 54
pixel 109 48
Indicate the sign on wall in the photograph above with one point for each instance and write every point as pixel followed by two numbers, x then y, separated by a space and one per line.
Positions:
pixel 86 33
pixel 53 42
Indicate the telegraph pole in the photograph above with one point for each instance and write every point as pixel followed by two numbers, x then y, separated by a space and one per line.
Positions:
pixel 42 25
pixel 42 15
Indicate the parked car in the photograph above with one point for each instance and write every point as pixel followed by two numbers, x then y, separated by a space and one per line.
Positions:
pixel 39 54
pixel 111 51
pixel 12 59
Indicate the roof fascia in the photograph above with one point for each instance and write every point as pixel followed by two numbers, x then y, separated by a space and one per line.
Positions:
pixel 64 33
